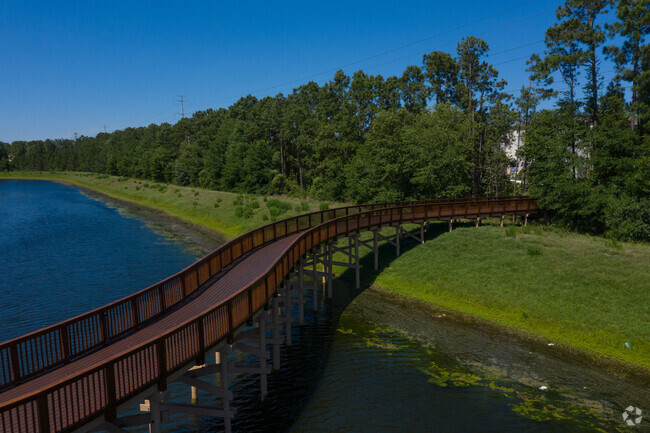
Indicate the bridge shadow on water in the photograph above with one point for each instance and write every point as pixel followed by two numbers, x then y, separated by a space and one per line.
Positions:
pixel 304 362
pixel 335 377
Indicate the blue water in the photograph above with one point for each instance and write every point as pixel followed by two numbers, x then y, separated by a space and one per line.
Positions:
pixel 63 253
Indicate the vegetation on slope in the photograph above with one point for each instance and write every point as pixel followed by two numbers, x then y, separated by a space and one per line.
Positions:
pixel 585 292
pixel 229 213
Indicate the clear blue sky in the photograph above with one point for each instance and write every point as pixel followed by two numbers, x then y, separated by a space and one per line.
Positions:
pixel 75 66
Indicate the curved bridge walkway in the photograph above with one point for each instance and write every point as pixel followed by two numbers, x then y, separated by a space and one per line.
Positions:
pixel 75 375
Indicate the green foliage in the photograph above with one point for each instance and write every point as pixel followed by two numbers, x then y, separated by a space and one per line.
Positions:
pixel 323 206
pixel 304 206
pixel 533 250
pixel 279 204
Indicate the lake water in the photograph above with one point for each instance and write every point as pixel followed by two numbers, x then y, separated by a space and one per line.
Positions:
pixel 354 365
pixel 63 253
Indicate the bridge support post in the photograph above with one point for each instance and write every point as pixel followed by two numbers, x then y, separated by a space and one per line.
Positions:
pixel 301 291
pixel 329 269
pixel 263 356
pixel 253 341
pixel 354 254
pixel 223 366
pixel 315 257
pixel 153 405
pixel 275 332
pixel 195 395
pixel 451 224
pixel 286 303
pixel 398 235
pixel 526 220
pixel 375 248
pixel 478 221
pixel 420 239
pixel 503 217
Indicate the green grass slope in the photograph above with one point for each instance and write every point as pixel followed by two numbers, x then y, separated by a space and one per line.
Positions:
pixel 581 291
pixel 229 213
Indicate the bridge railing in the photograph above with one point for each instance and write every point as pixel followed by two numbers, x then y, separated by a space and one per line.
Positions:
pixel 99 389
pixel 30 355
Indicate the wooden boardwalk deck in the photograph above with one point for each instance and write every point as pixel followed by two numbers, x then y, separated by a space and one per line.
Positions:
pixel 247 271
pixel 139 341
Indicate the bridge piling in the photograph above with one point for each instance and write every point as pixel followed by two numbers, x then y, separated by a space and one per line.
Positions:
pixel 314 262
pixel 451 224
pixel 301 291
pixel 375 249
pixel 223 364
pixel 398 235
pixel 357 264
pixel 275 332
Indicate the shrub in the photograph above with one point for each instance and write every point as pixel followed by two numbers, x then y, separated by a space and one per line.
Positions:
pixel 304 206
pixel 275 213
pixel 324 206
pixel 265 217
pixel 239 211
pixel 511 232
pixel 534 250
pixel 281 206
pixel 216 205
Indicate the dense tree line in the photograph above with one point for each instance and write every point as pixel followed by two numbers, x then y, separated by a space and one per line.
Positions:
pixel 437 130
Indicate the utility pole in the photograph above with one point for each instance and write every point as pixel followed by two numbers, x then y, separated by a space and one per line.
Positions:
pixel 75 136
pixel 181 100
pixel 104 129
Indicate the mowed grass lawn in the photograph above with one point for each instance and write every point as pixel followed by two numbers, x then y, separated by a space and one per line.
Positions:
pixel 582 291
pixel 214 209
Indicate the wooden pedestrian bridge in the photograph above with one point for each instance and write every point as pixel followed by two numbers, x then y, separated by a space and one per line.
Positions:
pixel 79 374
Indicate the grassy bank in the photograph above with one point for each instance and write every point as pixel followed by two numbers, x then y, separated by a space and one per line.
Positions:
pixel 584 292
pixel 229 213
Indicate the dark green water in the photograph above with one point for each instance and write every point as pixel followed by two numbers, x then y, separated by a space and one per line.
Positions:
pixel 355 365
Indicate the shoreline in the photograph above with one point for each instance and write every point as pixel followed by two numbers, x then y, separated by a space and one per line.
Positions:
pixel 208 240
pixel 561 352
pixel 159 215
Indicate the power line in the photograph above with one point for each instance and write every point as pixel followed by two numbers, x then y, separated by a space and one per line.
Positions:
pixel 304 78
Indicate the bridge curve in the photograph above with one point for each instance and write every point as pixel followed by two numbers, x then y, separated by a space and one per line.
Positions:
pixel 64 376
